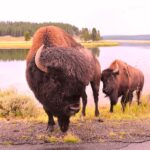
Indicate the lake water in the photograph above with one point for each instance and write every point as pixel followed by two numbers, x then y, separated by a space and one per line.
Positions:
pixel 12 74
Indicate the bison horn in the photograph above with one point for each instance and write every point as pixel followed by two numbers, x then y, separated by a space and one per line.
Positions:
pixel 116 71
pixel 38 62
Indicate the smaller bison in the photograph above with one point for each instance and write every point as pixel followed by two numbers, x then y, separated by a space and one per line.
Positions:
pixel 121 80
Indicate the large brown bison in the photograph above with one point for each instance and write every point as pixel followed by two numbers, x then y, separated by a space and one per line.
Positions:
pixel 58 70
pixel 121 79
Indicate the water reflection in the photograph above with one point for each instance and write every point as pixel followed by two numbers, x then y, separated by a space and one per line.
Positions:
pixel 20 54
pixel 95 51
pixel 12 73
pixel 13 54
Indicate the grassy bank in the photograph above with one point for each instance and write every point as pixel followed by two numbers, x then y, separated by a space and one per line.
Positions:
pixel 27 45
pixel 8 42
pixel 99 44
pixel 15 45
pixel 20 114
pixel 13 104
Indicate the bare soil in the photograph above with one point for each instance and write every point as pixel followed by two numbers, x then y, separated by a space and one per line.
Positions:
pixel 18 132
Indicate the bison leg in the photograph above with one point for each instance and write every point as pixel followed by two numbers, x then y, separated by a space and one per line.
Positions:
pixel 111 107
pixel 51 122
pixel 113 100
pixel 138 93
pixel 123 103
pixel 63 122
pixel 130 98
pixel 84 101
pixel 95 89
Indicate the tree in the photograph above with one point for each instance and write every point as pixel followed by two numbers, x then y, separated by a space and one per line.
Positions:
pixel 27 36
pixel 98 35
pixel 95 36
pixel 85 35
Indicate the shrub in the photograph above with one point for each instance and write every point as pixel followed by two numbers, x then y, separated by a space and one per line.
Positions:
pixel 14 104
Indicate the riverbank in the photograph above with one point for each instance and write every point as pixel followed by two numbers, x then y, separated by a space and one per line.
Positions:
pixel 8 42
pixel 27 124
pixel 27 44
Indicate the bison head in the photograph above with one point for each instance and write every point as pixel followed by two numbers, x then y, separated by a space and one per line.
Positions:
pixel 64 99
pixel 109 79
pixel 70 105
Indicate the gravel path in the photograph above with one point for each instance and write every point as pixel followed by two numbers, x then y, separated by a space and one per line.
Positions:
pixel 19 132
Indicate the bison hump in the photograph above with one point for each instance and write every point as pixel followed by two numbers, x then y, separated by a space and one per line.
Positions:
pixel 70 61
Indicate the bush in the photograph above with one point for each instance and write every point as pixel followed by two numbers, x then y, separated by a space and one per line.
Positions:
pixel 14 104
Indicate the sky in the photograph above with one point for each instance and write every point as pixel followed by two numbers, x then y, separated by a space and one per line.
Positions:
pixel 111 17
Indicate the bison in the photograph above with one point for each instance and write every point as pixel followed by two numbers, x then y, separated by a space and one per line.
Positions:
pixel 121 80
pixel 58 71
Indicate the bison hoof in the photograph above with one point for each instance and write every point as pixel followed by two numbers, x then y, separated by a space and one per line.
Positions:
pixel 96 114
pixel 63 123
pixel 100 120
pixel 111 111
pixel 64 128
pixel 50 128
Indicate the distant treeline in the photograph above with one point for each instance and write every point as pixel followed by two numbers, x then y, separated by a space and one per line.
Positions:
pixel 27 29
pixel 20 28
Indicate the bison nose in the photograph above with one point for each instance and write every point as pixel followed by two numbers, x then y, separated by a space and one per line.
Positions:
pixel 74 108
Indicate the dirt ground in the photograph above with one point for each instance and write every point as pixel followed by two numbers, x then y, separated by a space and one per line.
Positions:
pixel 18 132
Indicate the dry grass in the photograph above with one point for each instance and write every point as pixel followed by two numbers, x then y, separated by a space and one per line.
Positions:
pixel 15 44
pixel 15 104
pixel 10 38
pixel 18 105
pixel 99 44
pixel 8 42
pixel 71 138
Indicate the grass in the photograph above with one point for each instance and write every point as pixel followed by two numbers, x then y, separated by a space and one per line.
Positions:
pixel 13 104
pixel 71 138
pixel 99 44
pixel 68 138
pixel 49 139
pixel 27 45
pixel 15 44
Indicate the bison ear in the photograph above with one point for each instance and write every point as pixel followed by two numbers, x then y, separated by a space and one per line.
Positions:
pixel 116 72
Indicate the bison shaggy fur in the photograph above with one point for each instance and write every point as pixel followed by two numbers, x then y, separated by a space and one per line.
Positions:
pixel 58 71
